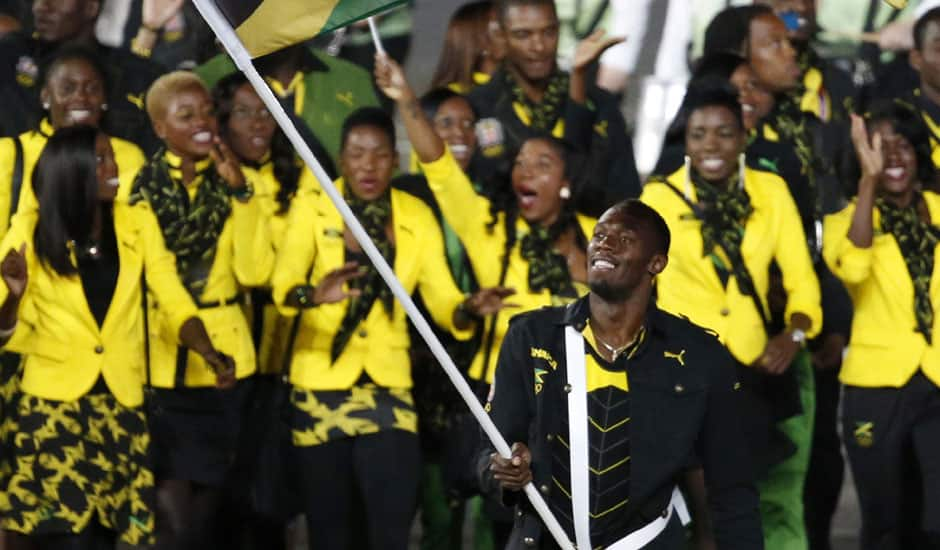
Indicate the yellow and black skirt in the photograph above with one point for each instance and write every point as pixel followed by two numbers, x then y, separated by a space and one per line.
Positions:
pixel 321 416
pixel 75 462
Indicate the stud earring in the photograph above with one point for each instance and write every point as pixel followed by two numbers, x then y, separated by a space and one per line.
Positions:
pixel 45 105
pixel 564 193
pixel 104 106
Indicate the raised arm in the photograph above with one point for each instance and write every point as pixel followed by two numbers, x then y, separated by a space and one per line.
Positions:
pixel 870 157
pixel 391 80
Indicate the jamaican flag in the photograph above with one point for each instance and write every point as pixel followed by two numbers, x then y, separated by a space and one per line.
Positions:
pixel 265 26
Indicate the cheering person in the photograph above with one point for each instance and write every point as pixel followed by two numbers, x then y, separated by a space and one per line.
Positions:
pixel 352 417
pixel 883 246
pixel 728 223
pixel 533 241
pixel 81 477
pixel 73 93
pixel 208 219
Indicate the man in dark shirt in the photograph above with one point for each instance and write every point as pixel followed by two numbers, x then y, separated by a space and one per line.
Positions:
pixel 529 95
pixel 925 58
pixel 72 22
pixel 608 400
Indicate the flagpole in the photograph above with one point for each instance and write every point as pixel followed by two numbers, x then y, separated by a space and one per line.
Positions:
pixel 376 39
pixel 236 50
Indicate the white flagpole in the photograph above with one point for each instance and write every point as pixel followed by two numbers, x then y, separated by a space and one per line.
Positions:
pixel 376 39
pixel 236 50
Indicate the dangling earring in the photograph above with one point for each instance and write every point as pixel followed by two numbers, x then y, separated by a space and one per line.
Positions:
pixel 741 168
pixel 104 106
pixel 688 178
pixel 564 193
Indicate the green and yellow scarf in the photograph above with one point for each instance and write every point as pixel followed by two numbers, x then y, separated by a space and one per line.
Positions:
pixel 917 241
pixel 374 216
pixel 544 114
pixel 547 268
pixel 190 227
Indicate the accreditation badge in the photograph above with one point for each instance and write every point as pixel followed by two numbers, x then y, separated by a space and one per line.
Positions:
pixel 490 137
pixel 27 71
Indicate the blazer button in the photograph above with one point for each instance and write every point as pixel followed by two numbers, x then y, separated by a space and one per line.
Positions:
pixel 543 489
pixel 363 333
pixel 99 349
pixel 679 388
pixel 550 437
pixel 519 513
pixel 528 541
pixel 725 312
pixel 567 388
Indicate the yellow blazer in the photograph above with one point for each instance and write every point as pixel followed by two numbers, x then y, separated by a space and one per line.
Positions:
pixel 64 349
pixel 885 348
pixel 243 258
pixel 380 344
pixel 690 286
pixel 469 214
pixel 128 157
pixel 275 327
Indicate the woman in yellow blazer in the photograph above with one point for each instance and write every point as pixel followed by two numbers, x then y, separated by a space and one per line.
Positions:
pixel 73 93
pixel 884 248
pixel 278 176
pixel 352 417
pixel 210 221
pixel 529 240
pixel 728 223
pixel 80 470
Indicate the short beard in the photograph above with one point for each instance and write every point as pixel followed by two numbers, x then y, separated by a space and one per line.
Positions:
pixel 610 293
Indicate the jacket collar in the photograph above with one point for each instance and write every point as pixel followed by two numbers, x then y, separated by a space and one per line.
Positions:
pixel 578 312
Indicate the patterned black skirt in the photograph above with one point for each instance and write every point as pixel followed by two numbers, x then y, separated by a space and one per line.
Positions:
pixel 75 462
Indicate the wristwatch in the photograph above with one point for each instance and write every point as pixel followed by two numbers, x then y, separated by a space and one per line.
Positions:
pixel 799 336
pixel 304 295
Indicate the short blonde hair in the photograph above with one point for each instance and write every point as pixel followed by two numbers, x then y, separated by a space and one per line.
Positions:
pixel 165 87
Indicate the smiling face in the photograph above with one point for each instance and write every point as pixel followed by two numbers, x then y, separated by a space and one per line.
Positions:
pixel 107 170
pixel 531 38
pixel 771 55
pixel 367 161
pixel 713 141
pixel 250 126
pixel 538 175
pixel 74 91
pixel 454 123
pixel 621 256
pixel 188 125
pixel 756 103
pixel 900 163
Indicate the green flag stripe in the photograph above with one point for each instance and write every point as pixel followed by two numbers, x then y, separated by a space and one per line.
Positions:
pixel 350 11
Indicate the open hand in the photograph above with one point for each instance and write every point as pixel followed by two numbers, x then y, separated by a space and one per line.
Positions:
pixel 156 13
pixel 14 272
pixel 227 164
pixel 869 151
pixel 488 301
pixel 589 49
pixel 331 288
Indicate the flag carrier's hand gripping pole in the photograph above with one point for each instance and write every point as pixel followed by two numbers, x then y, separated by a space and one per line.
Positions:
pixel 236 50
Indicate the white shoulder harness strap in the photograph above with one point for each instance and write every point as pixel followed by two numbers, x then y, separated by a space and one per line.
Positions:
pixel 578 445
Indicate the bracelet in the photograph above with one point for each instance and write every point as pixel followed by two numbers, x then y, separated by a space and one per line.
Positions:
pixel 154 30
pixel 141 51
pixel 304 296
pixel 244 193
pixel 7 332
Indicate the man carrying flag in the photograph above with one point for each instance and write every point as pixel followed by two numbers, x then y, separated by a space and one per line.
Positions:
pixel 607 400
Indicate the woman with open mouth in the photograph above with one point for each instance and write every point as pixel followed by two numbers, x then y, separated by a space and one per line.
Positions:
pixel 883 246
pixel 72 93
pixel 527 237
pixel 728 222
pixel 204 205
